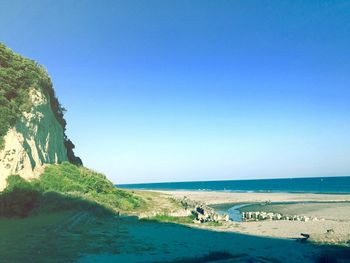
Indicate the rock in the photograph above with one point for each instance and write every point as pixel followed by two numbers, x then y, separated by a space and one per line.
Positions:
pixel 200 210
pixel 261 215
pixel 269 216
pixel 249 215
pixel 204 214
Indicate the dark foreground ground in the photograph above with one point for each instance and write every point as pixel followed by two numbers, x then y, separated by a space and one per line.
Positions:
pixel 84 237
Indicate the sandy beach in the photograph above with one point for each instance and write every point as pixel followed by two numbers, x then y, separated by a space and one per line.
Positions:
pixel 213 197
pixel 332 213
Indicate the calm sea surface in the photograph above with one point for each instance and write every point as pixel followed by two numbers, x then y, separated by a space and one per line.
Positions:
pixel 293 185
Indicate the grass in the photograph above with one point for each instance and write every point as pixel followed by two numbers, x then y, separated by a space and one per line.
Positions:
pixel 80 181
pixel 64 187
pixel 67 212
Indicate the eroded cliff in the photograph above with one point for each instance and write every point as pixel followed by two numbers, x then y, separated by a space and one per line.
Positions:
pixel 32 127
pixel 36 139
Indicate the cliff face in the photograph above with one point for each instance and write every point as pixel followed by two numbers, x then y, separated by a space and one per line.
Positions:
pixel 36 139
pixel 32 132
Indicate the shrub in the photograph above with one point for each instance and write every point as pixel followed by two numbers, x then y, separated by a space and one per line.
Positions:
pixel 19 198
pixel 64 187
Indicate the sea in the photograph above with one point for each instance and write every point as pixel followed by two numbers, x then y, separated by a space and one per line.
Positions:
pixel 321 185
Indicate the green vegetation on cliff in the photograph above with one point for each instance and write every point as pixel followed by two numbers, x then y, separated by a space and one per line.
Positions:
pixel 64 187
pixel 17 76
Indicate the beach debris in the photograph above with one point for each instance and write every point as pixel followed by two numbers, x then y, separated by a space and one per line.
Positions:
pixel 329 231
pixel 304 237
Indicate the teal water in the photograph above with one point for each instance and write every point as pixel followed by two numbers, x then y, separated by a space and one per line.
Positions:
pixel 333 185
pixel 233 211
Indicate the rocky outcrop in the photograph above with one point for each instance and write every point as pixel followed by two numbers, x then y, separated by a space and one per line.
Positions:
pixel 36 139
pixel 205 214
pixel 202 212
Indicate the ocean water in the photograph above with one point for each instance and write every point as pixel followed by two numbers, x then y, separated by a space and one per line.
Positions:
pixel 332 185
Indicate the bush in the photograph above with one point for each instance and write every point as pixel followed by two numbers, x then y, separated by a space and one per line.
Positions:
pixel 68 178
pixel 64 187
pixel 19 198
pixel 17 75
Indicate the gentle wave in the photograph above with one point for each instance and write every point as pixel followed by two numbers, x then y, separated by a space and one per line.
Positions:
pixel 324 185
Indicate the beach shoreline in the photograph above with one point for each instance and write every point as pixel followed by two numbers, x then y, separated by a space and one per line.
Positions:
pixel 330 211
pixel 209 197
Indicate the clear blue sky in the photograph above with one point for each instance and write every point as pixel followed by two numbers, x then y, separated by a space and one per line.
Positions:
pixel 196 90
